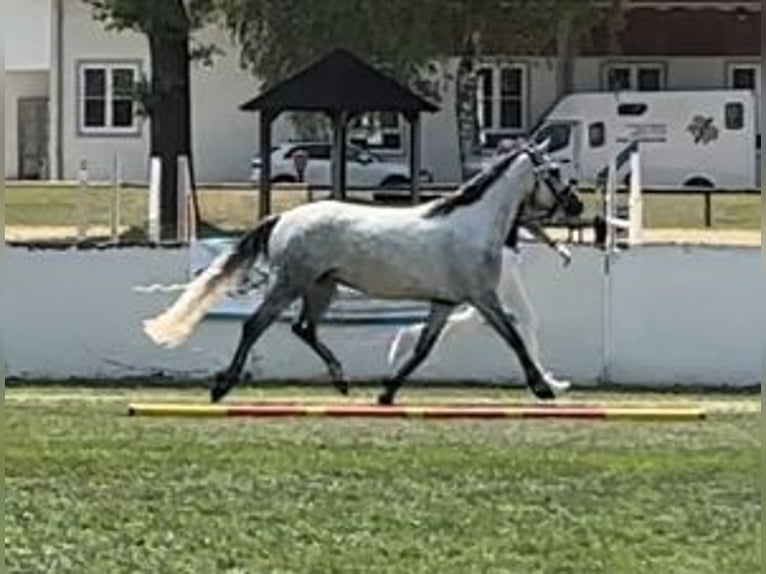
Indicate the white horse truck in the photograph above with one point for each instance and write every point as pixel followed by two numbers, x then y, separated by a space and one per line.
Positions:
pixel 686 139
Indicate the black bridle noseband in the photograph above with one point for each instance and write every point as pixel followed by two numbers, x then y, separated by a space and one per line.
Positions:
pixel 565 198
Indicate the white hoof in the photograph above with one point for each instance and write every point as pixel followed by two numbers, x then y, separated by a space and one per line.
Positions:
pixel 558 386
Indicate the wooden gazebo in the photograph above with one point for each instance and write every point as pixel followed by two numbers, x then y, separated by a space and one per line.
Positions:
pixel 340 85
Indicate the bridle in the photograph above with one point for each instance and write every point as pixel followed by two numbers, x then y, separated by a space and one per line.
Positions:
pixel 564 198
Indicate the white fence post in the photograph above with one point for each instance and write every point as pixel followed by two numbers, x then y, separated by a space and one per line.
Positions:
pixel 155 173
pixel 116 206
pixel 635 202
pixel 82 195
pixel 610 199
pixel 186 217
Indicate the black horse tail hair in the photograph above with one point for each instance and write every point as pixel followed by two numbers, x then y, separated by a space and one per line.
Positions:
pixel 173 326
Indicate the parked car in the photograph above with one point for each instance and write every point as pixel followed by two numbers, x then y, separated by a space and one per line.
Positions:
pixel 363 168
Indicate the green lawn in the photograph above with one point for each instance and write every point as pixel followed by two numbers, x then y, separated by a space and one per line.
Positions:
pixel 58 206
pixel 89 490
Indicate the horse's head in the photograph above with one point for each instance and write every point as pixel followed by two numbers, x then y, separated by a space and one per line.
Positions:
pixel 529 172
pixel 547 195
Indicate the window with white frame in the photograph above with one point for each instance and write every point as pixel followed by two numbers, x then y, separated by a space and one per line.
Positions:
pixel 106 98
pixel 501 102
pixel 641 77
pixel 380 131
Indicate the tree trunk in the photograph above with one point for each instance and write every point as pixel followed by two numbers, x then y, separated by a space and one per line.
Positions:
pixel 170 120
pixel 615 26
pixel 565 47
pixel 465 104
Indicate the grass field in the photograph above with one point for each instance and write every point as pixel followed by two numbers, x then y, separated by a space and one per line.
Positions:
pixel 89 490
pixel 65 207
pixel 235 210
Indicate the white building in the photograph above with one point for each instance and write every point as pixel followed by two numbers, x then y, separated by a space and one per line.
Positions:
pixel 64 106
pixel 69 71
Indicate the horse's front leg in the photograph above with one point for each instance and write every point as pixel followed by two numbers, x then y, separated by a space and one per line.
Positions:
pixel 276 301
pixel 542 385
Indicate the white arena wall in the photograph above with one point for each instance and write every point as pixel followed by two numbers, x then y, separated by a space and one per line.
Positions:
pixel 680 315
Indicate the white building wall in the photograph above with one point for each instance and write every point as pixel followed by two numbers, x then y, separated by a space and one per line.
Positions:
pixel 19 85
pixel 26 28
pixel 223 136
pixel 86 40
pixel 542 88
pixel 440 152
pixel 681 73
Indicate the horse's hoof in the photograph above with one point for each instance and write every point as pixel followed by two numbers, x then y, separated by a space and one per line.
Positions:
pixel 386 399
pixel 342 387
pixel 542 391
pixel 558 386
pixel 217 393
pixel 221 386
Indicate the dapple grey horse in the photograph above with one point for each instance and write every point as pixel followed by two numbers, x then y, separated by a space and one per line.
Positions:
pixel 446 252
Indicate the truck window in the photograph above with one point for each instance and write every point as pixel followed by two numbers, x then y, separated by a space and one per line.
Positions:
pixel 631 109
pixel 735 116
pixel 558 134
pixel 596 134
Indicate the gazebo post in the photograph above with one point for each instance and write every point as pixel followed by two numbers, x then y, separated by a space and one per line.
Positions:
pixel 339 120
pixel 264 185
pixel 415 155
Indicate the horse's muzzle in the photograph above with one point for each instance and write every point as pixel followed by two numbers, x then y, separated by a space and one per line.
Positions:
pixel 572 205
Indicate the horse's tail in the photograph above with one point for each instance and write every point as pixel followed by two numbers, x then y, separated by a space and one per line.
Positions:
pixel 173 326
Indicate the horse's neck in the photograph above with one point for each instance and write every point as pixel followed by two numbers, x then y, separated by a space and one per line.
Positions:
pixel 492 217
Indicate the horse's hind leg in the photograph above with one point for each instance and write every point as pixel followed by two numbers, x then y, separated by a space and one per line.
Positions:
pixel 276 301
pixel 440 312
pixel 316 300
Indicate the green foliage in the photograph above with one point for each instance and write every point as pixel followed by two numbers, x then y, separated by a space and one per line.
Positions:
pixel 401 37
pixel 278 38
pixel 152 17
pixel 167 19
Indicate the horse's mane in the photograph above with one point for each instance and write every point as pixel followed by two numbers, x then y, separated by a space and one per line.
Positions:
pixel 473 190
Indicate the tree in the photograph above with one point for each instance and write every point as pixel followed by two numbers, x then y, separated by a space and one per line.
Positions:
pixel 484 28
pixel 402 38
pixel 165 98
pixel 280 37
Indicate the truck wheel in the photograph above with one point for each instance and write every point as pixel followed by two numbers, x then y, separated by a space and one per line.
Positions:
pixel 699 182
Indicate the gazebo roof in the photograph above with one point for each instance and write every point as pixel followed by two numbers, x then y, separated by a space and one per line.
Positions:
pixel 340 82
